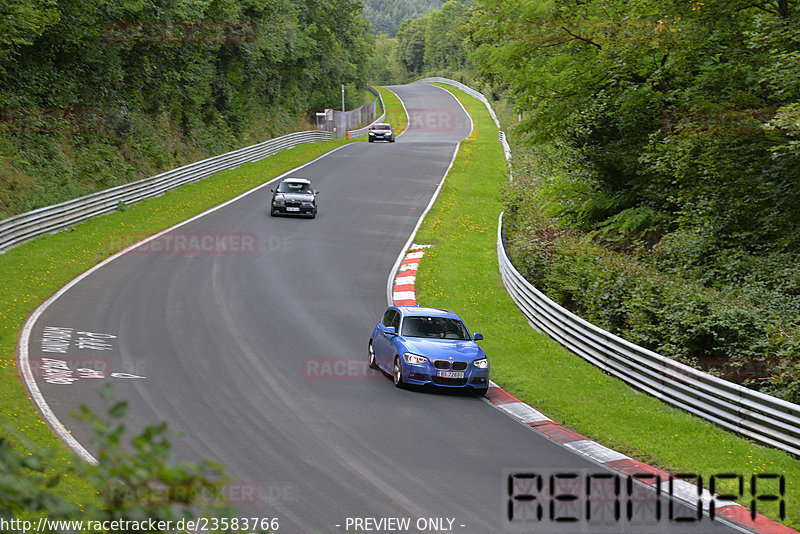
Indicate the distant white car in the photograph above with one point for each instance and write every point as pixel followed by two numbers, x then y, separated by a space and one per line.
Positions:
pixel 294 196
pixel 381 132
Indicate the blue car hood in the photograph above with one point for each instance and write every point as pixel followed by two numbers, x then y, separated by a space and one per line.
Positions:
pixel 442 349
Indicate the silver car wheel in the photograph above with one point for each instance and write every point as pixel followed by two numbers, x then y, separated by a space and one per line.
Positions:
pixel 398 372
pixel 372 363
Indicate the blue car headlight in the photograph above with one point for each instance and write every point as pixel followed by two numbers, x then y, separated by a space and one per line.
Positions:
pixel 372 133
pixel 414 359
pixel 483 363
pixel 278 203
pixel 306 203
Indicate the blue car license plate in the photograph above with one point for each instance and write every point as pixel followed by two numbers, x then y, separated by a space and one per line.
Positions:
pixel 292 209
pixel 450 374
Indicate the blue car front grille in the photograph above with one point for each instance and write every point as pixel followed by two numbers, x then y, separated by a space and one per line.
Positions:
pixel 448 381
pixel 445 365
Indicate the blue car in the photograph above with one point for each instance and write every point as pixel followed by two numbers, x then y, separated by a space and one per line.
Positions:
pixel 428 346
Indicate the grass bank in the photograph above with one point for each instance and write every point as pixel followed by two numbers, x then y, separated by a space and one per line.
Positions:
pixel 461 273
pixel 395 114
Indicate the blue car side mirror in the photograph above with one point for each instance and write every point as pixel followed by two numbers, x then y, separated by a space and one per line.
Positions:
pixel 390 331
pixel 477 336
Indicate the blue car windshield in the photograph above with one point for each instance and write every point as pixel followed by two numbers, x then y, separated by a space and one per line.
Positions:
pixel 435 327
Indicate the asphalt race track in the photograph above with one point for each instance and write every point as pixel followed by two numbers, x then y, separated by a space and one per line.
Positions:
pixel 257 356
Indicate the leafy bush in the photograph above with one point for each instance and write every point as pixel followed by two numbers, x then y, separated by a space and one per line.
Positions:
pixel 725 333
pixel 136 481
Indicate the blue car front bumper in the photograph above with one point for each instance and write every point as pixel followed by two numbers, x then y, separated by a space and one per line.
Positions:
pixel 426 374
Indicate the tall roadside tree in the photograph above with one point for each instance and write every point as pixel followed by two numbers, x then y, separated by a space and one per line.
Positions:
pixel 168 82
pixel 444 42
pixel 411 39
pixel 680 111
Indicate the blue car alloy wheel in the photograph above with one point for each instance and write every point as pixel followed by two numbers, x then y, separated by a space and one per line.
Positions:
pixel 423 346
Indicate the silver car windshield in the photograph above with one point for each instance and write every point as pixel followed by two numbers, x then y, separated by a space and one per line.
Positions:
pixel 435 327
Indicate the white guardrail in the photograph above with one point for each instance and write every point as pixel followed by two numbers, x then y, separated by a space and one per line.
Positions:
pixel 25 226
pixel 475 94
pixel 758 416
pixel 761 417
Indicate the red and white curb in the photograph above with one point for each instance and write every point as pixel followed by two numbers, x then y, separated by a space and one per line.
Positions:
pixel 403 294
pixel 403 291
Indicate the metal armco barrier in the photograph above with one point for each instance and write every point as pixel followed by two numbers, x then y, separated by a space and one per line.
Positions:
pixel 354 134
pixel 758 416
pixel 761 417
pixel 25 226
pixel 469 90
pixel 475 94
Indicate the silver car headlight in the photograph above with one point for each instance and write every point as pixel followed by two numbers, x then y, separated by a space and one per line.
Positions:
pixel 372 133
pixel 414 359
pixel 483 363
pixel 278 203
pixel 306 203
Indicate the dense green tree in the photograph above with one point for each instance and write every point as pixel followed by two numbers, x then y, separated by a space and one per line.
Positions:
pixel 202 72
pixel 385 67
pixel 435 42
pixel 411 39
pixel 672 107
pixel 444 47
pixel 387 15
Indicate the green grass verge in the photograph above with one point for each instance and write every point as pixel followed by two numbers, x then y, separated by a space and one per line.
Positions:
pixel 395 114
pixel 35 270
pixel 461 273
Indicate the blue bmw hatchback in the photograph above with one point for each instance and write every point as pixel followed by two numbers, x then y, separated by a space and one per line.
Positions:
pixel 428 346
